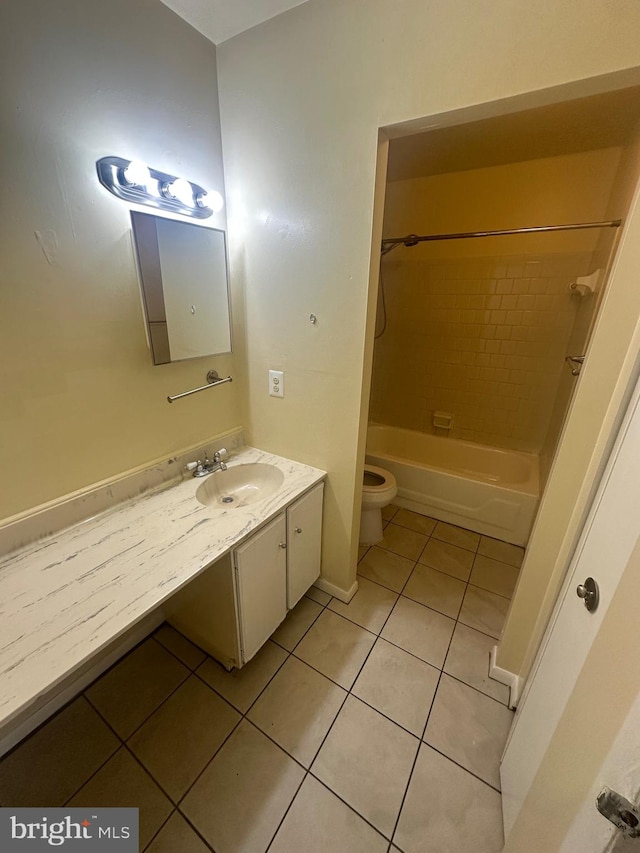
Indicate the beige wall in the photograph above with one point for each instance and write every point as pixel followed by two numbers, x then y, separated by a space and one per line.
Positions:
pixel 81 399
pixel 480 328
pixel 585 436
pixel 481 338
pixel 544 191
pixel 302 98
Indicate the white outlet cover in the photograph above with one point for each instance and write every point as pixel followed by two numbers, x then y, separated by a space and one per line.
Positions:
pixel 276 383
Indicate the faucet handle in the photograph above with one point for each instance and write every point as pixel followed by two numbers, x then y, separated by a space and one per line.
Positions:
pixel 221 454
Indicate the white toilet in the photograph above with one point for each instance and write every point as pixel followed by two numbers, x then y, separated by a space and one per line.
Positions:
pixel 379 489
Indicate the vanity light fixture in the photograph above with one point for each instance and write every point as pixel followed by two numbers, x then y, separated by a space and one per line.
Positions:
pixel 136 182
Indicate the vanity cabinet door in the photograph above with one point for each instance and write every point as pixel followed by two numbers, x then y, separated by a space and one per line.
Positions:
pixel 261 572
pixel 304 536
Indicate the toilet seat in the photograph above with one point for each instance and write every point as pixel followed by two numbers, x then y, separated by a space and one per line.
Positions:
pixel 382 491
pixel 383 480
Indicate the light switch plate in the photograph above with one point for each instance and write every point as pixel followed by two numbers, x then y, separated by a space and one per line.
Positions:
pixel 276 383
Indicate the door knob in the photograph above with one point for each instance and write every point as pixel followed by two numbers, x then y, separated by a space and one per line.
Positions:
pixel 283 545
pixel 589 593
pixel 298 530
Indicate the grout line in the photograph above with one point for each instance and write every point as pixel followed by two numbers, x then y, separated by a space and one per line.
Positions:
pixel 159 829
pixel 471 687
pixel 287 810
pixel 194 828
pixel 462 767
pixel 424 730
pixel 484 589
pixel 244 716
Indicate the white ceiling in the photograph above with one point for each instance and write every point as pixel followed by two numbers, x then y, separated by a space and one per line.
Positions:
pixel 220 20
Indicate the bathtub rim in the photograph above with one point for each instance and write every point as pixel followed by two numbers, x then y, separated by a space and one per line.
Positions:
pixel 529 487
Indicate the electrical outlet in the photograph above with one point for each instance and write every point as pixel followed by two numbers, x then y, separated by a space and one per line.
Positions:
pixel 276 383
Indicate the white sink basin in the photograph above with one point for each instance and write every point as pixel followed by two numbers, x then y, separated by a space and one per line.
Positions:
pixel 240 485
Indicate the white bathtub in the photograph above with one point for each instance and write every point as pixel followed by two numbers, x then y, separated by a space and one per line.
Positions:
pixel 486 489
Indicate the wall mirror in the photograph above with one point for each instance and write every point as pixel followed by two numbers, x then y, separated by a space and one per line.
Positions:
pixel 183 276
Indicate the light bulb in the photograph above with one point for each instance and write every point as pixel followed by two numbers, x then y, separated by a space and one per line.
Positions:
pixel 182 190
pixel 137 174
pixel 213 200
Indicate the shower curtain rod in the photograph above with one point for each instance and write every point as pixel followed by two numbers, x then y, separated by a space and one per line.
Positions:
pixel 413 239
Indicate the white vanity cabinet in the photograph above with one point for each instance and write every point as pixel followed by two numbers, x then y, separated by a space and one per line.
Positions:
pixel 260 567
pixel 233 607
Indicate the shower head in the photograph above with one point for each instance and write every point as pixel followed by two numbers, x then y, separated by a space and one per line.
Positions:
pixel 411 240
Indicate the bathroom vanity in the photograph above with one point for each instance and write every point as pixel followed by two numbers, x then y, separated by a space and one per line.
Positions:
pixel 66 597
pixel 234 606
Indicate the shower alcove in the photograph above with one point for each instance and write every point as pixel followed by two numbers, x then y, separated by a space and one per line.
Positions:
pixel 480 328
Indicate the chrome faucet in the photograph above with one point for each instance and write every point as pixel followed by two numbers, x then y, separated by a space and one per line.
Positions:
pixel 218 458
pixel 201 469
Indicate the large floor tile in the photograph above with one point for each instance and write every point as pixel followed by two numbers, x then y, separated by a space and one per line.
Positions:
pixel 178 644
pixel 122 782
pixel 297 709
pixel 389 511
pixel 52 764
pixel 297 623
pixel 447 810
pixel 484 611
pixel 369 607
pixel 419 630
pixel 414 521
pixel 435 589
pixel 495 576
pixel 336 647
pixel 447 558
pixel 456 536
pixel 318 595
pixel 366 760
pixel 385 568
pixel 206 720
pixel 318 822
pixel 242 687
pixel 176 836
pixel 398 685
pixel 132 690
pixel 240 799
pixel 469 728
pixel 503 551
pixel 400 540
pixel 468 661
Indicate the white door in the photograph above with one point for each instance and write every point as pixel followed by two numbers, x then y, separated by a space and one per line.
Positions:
pixel 590 831
pixel 304 535
pixel 605 545
pixel 261 577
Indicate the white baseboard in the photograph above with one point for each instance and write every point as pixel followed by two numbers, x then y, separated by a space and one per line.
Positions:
pixel 510 679
pixel 18 730
pixel 337 591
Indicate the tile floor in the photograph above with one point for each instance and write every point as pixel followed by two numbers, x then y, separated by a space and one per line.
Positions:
pixel 358 728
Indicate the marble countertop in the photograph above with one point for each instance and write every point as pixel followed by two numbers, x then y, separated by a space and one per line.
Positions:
pixel 66 597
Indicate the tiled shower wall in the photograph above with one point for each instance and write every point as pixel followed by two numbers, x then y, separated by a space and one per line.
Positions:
pixel 483 338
